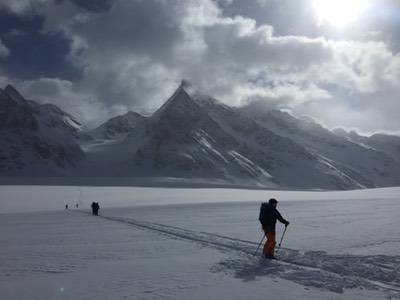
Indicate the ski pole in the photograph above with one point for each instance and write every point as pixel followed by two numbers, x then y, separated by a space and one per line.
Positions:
pixel 283 234
pixel 259 245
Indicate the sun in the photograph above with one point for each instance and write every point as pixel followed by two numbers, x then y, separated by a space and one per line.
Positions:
pixel 339 12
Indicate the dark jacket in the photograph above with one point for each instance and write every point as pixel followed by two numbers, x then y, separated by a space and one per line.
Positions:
pixel 268 217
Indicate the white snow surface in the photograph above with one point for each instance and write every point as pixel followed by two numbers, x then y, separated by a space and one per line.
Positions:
pixel 168 243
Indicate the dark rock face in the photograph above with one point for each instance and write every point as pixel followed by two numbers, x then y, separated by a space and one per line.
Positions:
pixel 33 134
pixel 16 114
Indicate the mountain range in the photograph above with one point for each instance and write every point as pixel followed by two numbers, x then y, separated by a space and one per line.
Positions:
pixel 193 137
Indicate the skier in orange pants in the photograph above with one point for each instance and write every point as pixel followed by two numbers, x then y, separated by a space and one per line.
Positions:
pixel 269 246
pixel 268 217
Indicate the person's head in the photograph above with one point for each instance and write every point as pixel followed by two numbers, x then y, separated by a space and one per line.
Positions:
pixel 273 202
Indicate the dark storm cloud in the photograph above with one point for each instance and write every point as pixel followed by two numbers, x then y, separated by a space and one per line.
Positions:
pixel 94 5
pixel 4 51
pixel 33 53
pixel 129 50
pixel 150 28
pixel 10 22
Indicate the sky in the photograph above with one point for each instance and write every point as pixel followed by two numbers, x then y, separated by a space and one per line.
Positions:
pixel 336 61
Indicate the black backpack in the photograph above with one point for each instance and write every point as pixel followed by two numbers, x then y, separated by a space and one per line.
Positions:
pixel 263 209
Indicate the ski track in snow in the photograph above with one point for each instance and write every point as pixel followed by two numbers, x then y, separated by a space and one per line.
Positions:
pixel 315 269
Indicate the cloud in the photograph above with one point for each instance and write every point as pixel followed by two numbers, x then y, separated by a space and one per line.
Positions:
pixel 4 51
pixel 283 96
pixel 191 40
pixel 65 94
pixel 133 53
pixel 94 5
pixel 33 51
pixel 242 42
pixel 22 6
pixel 124 63
pixel 360 66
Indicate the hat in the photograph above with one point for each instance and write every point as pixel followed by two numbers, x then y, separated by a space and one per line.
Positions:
pixel 273 201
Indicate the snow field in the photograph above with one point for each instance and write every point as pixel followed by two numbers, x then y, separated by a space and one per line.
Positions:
pixel 338 246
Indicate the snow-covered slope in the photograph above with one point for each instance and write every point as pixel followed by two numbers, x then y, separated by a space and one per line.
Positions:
pixel 184 140
pixel 390 144
pixel 365 166
pixel 35 139
pixel 48 114
pixel 193 135
pixel 117 127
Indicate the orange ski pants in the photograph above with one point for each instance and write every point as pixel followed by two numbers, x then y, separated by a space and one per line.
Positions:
pixel 269 246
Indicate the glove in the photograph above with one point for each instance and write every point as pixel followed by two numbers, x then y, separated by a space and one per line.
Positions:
pixel 287 224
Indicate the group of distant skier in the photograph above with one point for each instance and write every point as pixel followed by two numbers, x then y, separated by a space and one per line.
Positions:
pixel 95 208
pixel 268 217
pixel 76 206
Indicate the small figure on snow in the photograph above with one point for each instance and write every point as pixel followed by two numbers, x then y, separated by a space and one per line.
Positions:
pixel 76 205
pixel 268 216
pixel 66 206
pixel 95 208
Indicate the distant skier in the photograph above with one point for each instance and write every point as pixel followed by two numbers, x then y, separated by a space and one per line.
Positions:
pixel 95 208
pixel 76 205
pixel 66 206
pixel 96 211
pixel 268 216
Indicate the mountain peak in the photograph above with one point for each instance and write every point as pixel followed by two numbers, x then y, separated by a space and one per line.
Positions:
pixel 185 84
pixel 132 114
pixel 181 97
pixel 10 87
pixel 189 89
pixel 118 126
pixel 14 94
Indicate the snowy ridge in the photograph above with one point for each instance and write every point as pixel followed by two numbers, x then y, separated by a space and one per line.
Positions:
pixel 363 166
pixel 232 147
pixel 194 137
pixel 117 127
pixel 36 139
pixel 52 116
pixel 183 139
pixel 389 144
pixel 13 94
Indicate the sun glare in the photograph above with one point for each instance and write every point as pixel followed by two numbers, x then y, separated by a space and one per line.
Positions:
pixel 339 12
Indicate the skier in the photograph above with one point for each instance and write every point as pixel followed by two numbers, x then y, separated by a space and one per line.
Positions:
pixel 95 208
pixel 268 216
